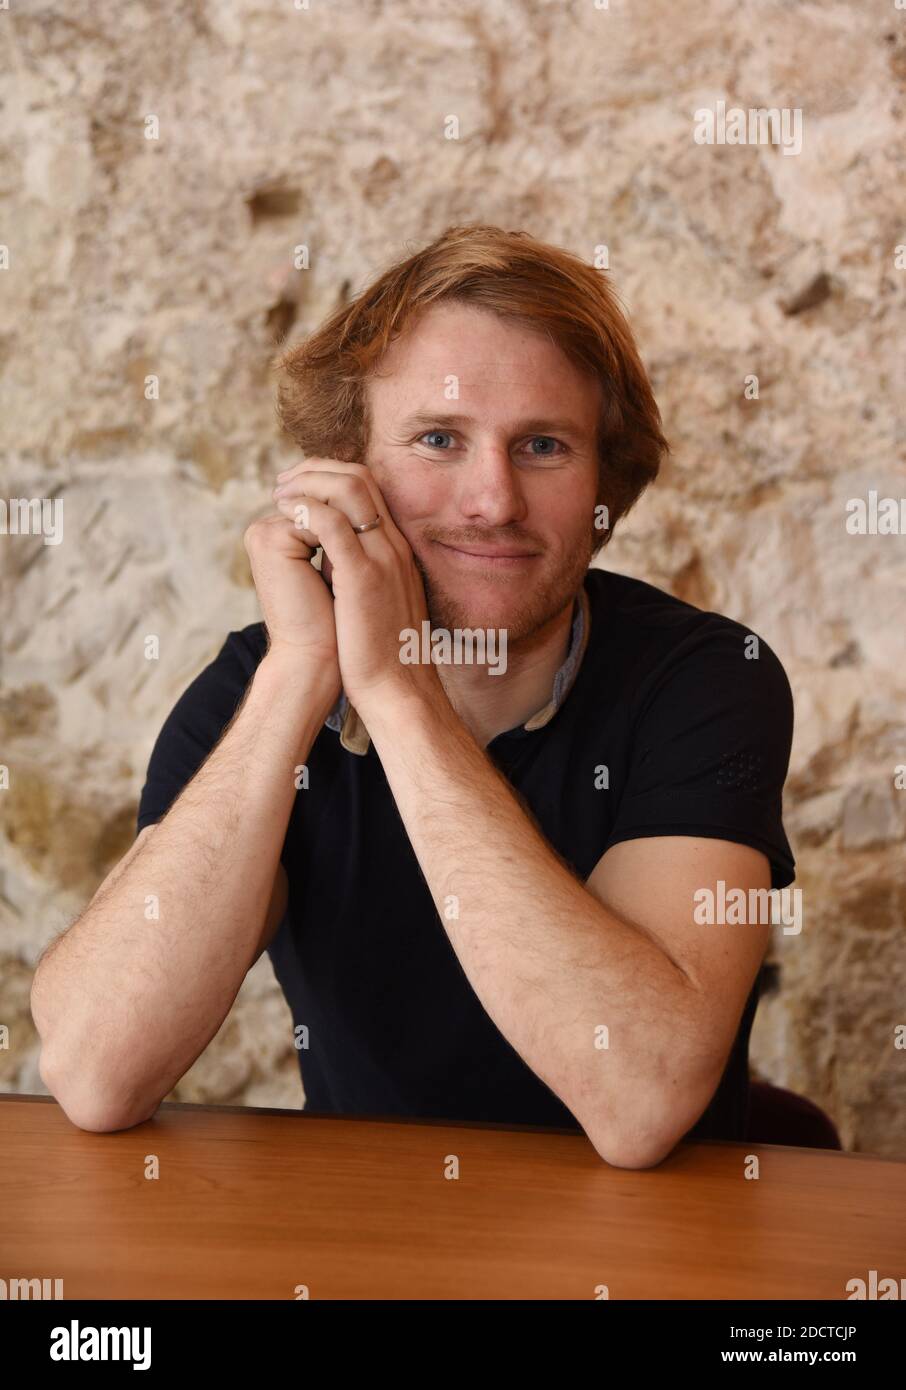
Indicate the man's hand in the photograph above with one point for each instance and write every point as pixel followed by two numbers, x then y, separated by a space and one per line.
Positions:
pixel 296 603
pixel 377 587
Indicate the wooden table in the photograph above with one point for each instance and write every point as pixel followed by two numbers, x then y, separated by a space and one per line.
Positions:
pixel 269 1204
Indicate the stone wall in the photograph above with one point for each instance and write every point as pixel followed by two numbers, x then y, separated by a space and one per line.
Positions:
pixel 328 126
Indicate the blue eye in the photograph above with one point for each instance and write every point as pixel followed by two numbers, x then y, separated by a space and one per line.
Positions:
pixel 433 435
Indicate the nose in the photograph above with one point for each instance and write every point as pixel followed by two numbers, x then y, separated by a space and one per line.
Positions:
pixel 491 490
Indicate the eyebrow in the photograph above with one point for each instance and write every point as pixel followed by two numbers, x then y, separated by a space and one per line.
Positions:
pixel 537 424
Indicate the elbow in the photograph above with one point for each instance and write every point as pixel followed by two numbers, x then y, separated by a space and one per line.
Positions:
pixel 89 1106
pixel 639 1123
pixel 642 1138
pixel 628 1152
pixel 98 1117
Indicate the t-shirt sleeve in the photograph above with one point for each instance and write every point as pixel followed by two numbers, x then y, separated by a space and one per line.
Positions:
pixel 711 749
pixel 194 726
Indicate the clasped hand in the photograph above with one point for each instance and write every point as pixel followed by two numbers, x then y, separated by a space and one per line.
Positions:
pixel 377 587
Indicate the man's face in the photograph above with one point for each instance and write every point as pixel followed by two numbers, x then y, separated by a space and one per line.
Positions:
pixel 483 437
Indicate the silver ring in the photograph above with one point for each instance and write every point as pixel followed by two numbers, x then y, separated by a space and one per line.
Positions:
pixel 369 525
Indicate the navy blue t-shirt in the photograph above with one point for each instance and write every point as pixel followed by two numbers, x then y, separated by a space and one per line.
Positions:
pixel 695 735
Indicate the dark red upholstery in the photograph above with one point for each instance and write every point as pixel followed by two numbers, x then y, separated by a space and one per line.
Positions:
pixel 777 1116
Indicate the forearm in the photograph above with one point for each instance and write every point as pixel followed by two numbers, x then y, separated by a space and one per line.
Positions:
pixel 551 965
pixel 139 985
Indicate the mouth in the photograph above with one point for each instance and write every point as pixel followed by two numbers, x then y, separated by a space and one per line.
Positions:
pixel 498 557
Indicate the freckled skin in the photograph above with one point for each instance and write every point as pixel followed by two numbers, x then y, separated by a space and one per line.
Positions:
pixel 489 482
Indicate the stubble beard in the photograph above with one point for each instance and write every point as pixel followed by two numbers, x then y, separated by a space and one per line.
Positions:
pixel 523 611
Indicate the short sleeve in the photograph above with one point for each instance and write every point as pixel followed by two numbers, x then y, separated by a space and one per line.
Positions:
pixel 197 721
pixel 711 748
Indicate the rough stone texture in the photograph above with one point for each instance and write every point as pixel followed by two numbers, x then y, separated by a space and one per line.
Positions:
pixel 325 126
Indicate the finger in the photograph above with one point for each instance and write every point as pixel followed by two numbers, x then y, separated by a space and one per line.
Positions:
pixel 297 511
pixel 330 528
pixel 343 474
pixel 263 532
pixel 317 466
pixel 348 493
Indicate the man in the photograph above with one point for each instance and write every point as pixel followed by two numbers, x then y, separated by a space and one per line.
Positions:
pixel 478 886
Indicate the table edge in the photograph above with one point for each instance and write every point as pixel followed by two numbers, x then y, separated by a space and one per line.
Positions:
pixel 177 1105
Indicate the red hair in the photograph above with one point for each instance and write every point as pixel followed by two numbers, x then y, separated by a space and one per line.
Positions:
pixel 321 400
